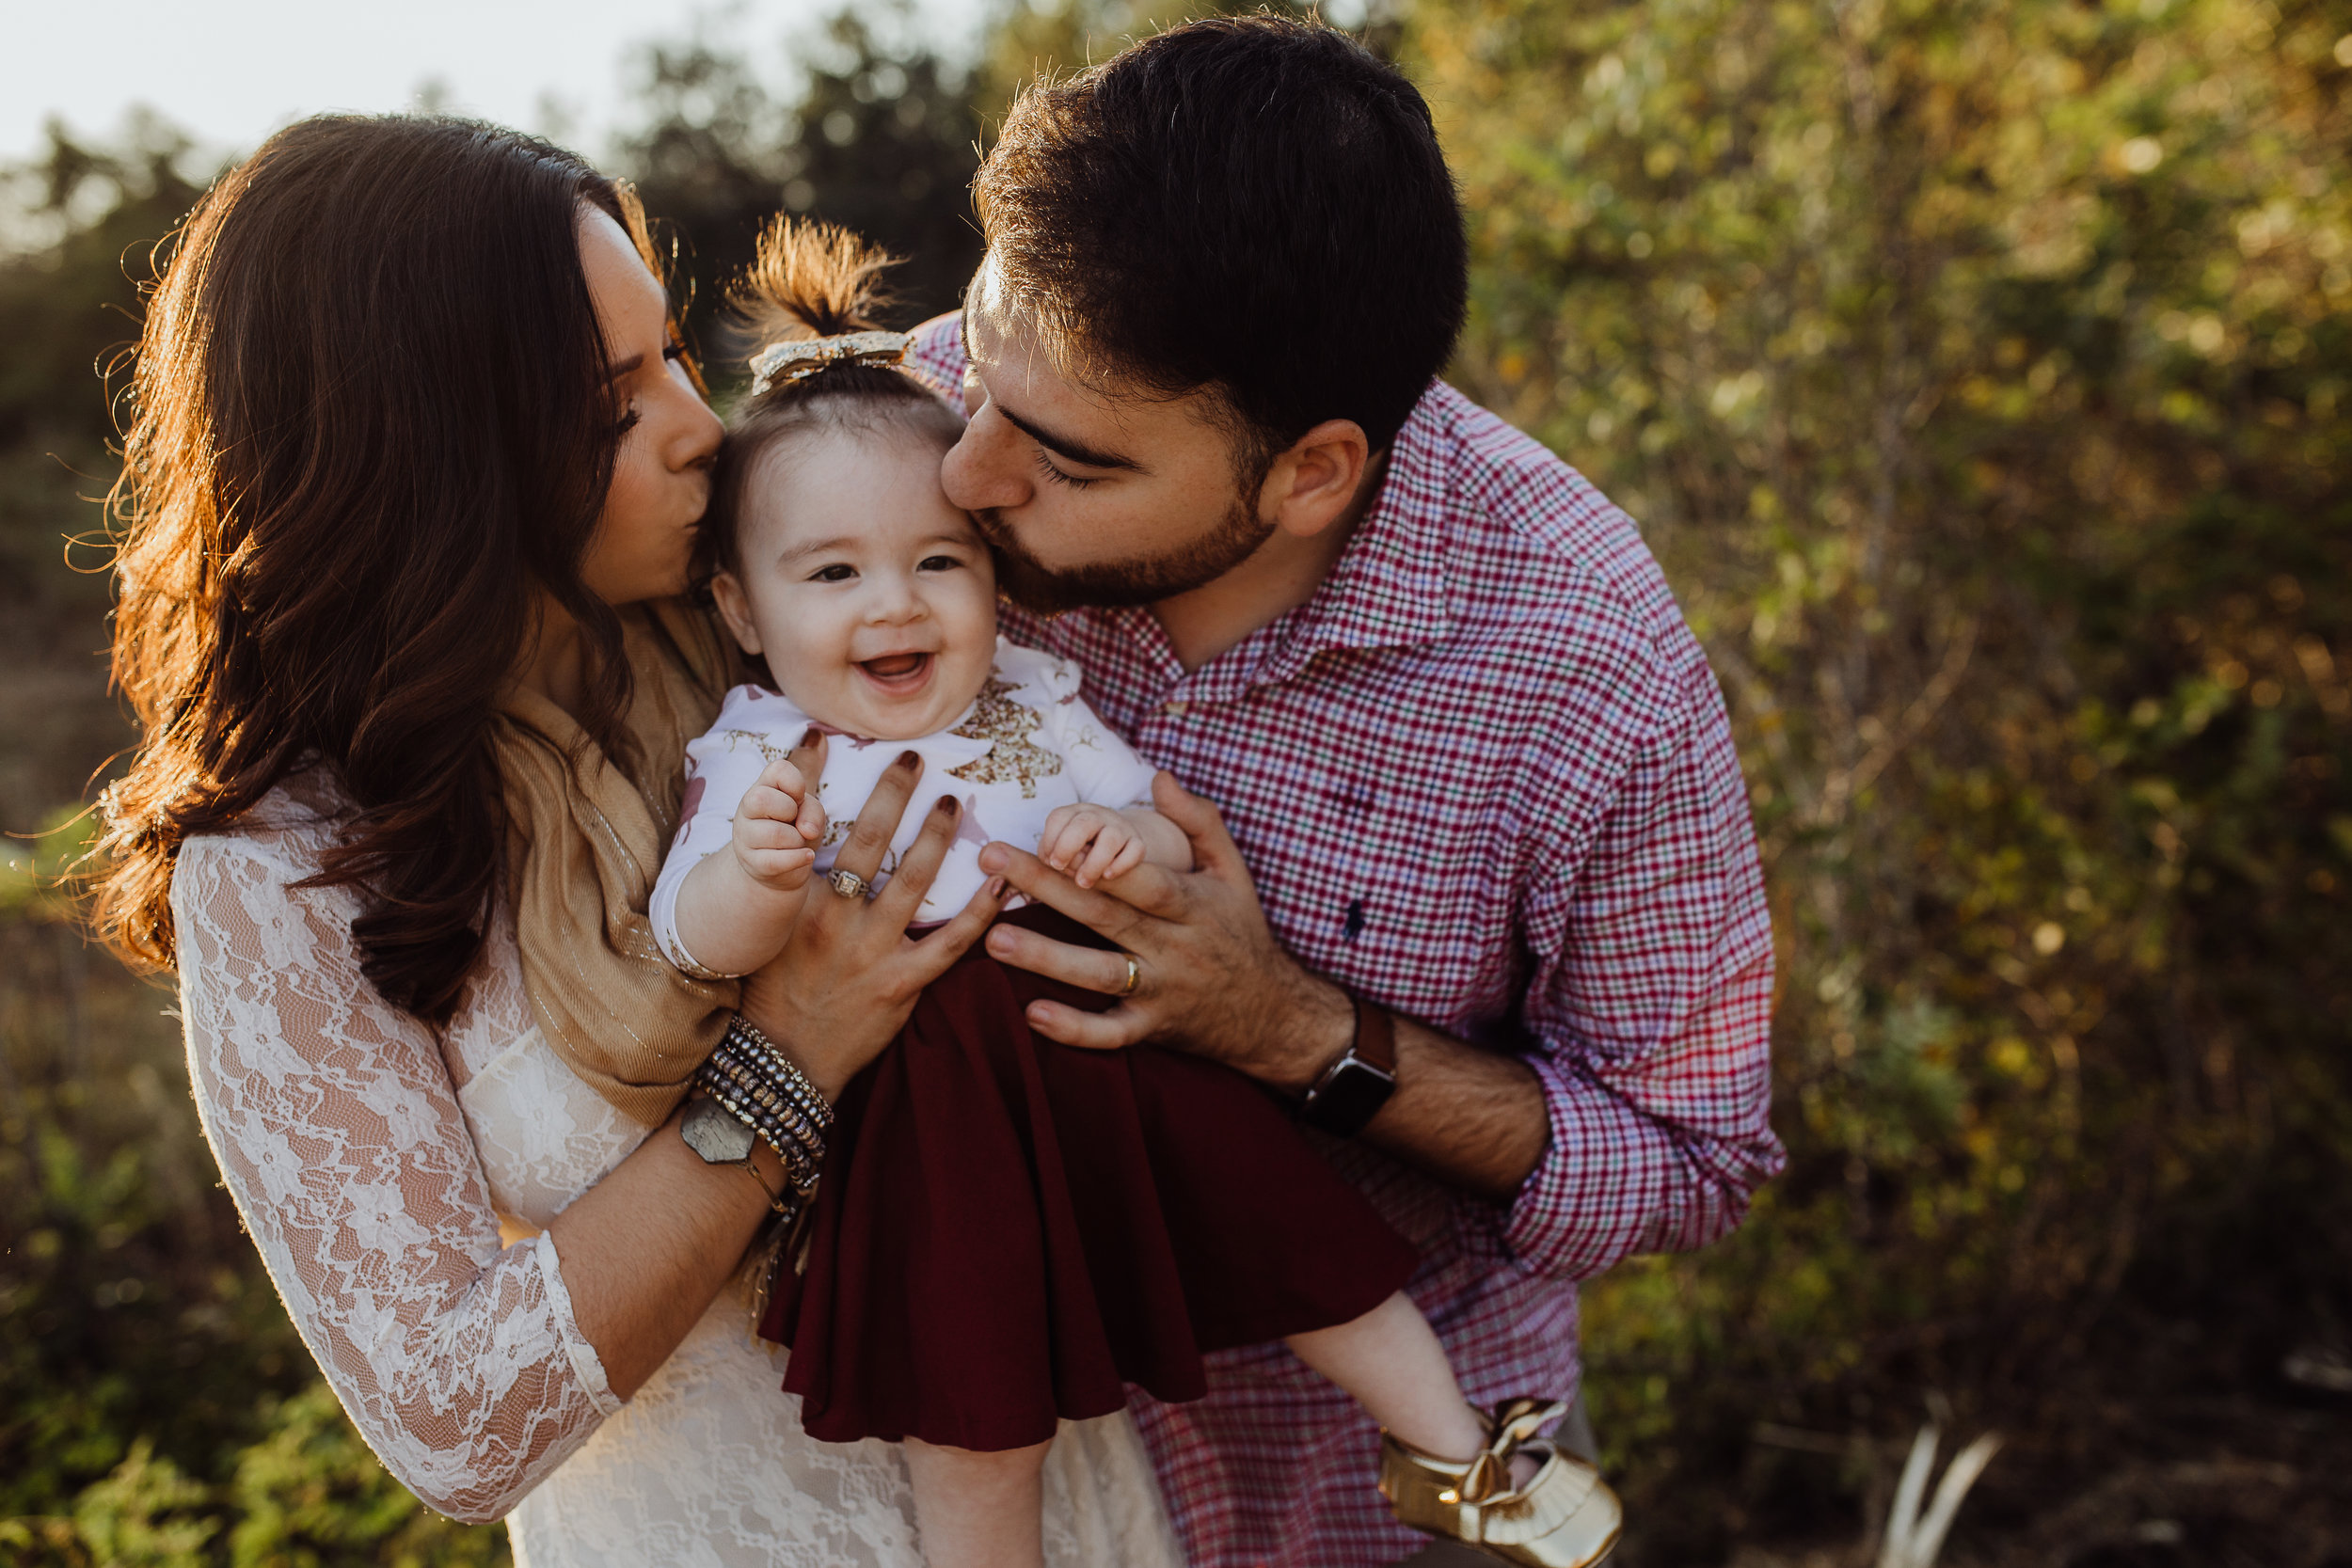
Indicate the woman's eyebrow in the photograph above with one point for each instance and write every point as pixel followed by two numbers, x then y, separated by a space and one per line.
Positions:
pixel 620 368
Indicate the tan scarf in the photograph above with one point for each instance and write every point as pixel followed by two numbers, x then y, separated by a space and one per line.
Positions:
pixel 585 841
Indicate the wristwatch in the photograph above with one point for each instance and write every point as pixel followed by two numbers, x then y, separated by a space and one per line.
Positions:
pixel 716 1133
pixel 1352 1090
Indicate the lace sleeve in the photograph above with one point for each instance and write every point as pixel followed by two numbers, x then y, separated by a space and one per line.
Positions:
pixel 343 1143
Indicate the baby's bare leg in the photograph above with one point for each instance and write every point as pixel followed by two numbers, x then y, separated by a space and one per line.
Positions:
pixel 1390 1359
pixel 977 1509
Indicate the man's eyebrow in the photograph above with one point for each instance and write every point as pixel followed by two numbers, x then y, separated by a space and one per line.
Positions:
pixel 1064 446
pixel 1060 445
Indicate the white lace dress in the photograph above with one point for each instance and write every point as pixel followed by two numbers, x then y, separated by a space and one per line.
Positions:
pixel 398 1193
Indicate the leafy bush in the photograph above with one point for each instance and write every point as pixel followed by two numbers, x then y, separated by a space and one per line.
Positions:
pixel 1979 371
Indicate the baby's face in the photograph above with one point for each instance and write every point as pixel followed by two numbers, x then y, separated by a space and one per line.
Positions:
pixel 872 600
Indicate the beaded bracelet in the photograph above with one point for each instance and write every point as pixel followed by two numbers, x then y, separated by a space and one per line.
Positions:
pixel 797 1167
pixel 800 1162
pixel 749 1103
pixel 768 1086
pixel 760 1087
pixel 741 1031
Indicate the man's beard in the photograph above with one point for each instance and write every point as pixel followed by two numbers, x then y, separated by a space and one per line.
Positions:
pixel 1139 581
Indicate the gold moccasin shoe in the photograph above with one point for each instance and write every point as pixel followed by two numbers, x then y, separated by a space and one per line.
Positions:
pixel 1566 1517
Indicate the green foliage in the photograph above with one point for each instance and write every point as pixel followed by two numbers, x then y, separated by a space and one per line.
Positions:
pixel 882 139
pixel 1979 372
pixel 67 309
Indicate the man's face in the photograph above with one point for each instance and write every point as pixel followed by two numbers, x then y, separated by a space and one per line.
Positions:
pixel 1091 498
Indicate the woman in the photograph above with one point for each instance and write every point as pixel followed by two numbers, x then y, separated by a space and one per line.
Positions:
pixel 410 487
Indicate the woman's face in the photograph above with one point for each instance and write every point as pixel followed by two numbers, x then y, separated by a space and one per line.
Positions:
pixel 661 476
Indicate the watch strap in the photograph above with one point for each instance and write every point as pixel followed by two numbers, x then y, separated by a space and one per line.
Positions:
pixel 1352 1089
pixel 1376 1036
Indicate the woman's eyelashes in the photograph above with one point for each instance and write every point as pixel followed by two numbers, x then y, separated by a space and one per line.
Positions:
pixel 1056 476
pixel 635 416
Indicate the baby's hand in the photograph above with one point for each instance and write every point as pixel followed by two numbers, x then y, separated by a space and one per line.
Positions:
pixel 1090 844
pixel 776 829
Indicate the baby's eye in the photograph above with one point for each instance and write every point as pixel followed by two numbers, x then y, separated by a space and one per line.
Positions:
pixel 840 571
pixel 938 563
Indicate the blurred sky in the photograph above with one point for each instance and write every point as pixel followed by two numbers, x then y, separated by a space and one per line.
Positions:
pixel 233 71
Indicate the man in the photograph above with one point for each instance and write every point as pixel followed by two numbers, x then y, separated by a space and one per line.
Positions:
pixel 1439 687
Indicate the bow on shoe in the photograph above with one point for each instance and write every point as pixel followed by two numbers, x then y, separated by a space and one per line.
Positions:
pixel 1565 1517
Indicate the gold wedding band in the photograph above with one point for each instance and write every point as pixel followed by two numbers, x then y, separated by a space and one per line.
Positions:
pixel 1134 976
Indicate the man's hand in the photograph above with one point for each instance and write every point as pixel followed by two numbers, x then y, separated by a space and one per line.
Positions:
pixel 1212 978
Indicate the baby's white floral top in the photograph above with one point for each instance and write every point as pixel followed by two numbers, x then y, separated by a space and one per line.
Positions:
pixel 1027 744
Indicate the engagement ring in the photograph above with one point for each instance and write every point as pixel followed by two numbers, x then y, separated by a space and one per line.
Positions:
pixel 850 885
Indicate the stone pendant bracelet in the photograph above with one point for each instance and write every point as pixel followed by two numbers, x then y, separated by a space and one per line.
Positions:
pixel 749 1089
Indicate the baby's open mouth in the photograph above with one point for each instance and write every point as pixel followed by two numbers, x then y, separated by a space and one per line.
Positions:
pixel 897 672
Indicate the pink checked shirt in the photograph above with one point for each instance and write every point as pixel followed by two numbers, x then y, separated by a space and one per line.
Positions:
pixel 1484 777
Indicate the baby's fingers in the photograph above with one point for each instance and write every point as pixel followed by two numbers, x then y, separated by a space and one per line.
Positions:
pixel 770 805
pixel 774 865
pixel 761 834
pixel 784 774
pixel 1098 856
pixel 1129 857
pixel 812 820
pixel 1063 841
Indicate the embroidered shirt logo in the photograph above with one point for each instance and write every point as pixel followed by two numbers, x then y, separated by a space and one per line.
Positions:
pixel 1006 725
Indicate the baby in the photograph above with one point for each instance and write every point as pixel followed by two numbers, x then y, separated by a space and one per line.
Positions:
pixel 1009 1231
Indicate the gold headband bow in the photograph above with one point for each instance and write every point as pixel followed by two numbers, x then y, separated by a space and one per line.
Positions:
pixel 800 359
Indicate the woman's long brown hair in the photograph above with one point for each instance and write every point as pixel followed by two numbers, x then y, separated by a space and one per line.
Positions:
pixel 370 418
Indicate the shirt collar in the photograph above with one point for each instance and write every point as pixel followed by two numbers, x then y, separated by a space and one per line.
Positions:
pixel 1387 589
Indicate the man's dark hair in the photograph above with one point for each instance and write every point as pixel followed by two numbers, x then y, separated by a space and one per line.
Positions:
pixel 1251 205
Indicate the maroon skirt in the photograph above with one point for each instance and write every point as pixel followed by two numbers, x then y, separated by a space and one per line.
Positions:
pixel 1010 1230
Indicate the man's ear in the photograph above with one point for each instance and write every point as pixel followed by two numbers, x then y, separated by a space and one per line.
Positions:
pixel 1313 485
pixel 735 608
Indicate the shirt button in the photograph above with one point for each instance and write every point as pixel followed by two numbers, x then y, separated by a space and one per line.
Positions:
pixel 1175 710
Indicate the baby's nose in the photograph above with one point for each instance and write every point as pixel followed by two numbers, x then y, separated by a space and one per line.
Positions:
pixel 896 602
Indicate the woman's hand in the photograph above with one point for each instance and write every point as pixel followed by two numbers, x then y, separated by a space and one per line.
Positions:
pixel 848 980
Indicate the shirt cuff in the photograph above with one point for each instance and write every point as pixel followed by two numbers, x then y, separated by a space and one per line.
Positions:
pixel 586 1364
pixel 1591 1195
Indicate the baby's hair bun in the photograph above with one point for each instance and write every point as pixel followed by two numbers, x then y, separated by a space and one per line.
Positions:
pixel 809 280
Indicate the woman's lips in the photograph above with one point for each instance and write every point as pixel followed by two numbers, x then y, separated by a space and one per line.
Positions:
pixel 898 674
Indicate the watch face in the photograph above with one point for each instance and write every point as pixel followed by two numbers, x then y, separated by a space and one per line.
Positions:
pixel 1351 1099
pixel 711 1130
